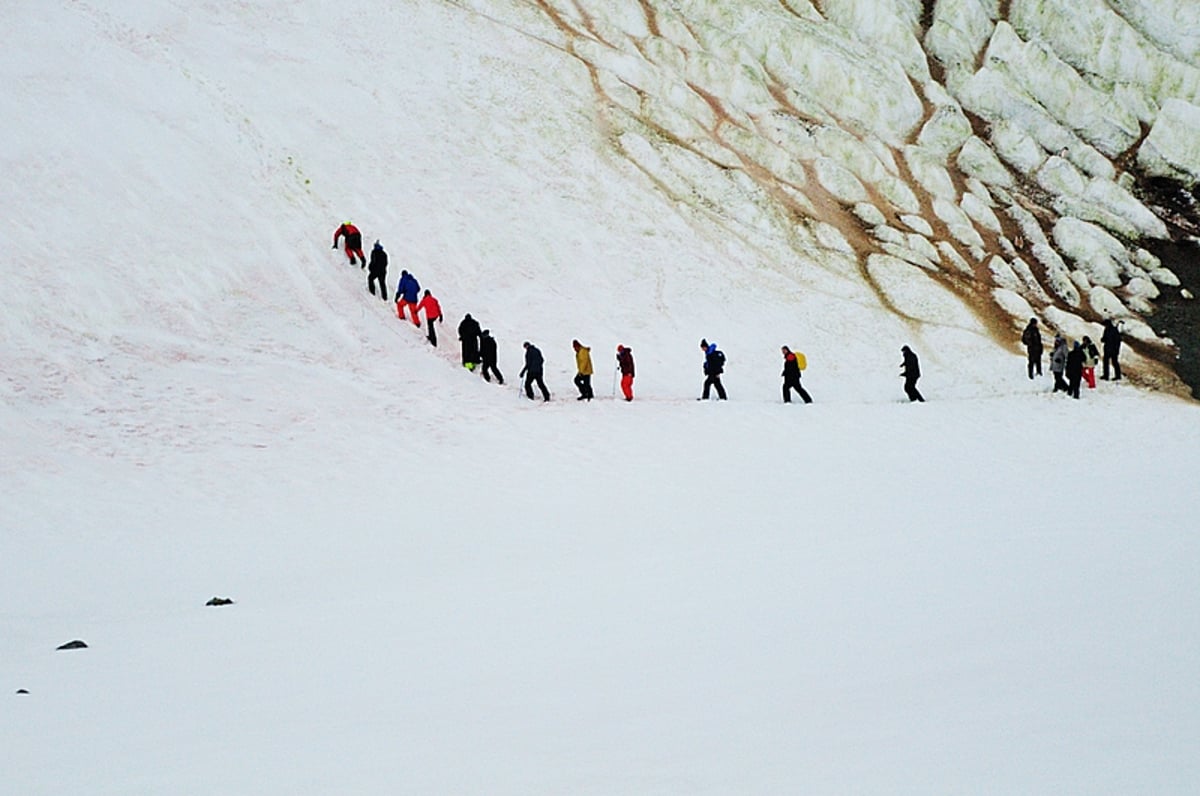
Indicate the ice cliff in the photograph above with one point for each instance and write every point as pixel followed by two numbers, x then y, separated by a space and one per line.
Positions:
pixel 1005 149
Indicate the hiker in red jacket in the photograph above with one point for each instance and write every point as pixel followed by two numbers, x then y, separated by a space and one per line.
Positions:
pixel 353 242
pixel 625 363
pixel 433 312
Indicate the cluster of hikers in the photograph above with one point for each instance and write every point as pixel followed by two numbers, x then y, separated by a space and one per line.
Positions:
pixel 1069 367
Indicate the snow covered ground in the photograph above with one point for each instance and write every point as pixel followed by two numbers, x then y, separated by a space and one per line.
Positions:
pixel 442 588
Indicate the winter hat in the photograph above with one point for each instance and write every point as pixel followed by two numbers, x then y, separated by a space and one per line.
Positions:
pixel 377 246
pixel 576 345
pixel 703 343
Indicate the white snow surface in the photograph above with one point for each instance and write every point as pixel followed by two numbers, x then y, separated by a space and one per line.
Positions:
pixel 443 588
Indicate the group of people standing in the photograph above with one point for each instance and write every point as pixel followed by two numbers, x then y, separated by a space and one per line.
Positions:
pixel 1071 367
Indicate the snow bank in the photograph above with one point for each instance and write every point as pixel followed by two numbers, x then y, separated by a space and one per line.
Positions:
pixel 1172 149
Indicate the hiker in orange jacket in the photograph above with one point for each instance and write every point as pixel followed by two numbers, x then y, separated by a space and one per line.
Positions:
pixel 433 312
pixel 353 242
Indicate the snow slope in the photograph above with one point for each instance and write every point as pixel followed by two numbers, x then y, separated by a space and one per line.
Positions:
pixel 442 588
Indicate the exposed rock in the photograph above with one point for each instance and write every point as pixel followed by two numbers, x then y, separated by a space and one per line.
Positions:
pixel 22 691
pixel 220 601
pixel 74 645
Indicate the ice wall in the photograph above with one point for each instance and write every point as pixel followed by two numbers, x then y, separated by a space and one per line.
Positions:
pixel 998 147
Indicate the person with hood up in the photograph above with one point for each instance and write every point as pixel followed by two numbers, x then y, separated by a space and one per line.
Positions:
pixel 487 356
pixel 532 372
pixel 1032 339
pixel 910 369
pixel 1074 369
pixel 1058 362
pixel 377 271
pixel 353 242
pixel 791 377
pixel 468 335
pixel 583 371
pixel 714 366
pixel 625 365
pixel 407 291
pixel 433 312
pixel 1091 358
pixel 1111 341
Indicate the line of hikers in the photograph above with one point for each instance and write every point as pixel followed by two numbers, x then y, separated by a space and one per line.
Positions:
pixel 479 347
pixel 1071 367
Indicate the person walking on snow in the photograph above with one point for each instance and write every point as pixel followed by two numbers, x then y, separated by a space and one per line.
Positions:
pixel 1032 338
pixel 625 364
pixel 910 369
pixel 433 312
pixel 532 372
pixel 714 366
pixel 468 334
pixel 377 271
pixel 407 291
pixel 353 242
pixel 1074 370
pixel 1111 340
pixel 487 356
pixel 583 371
pixel 1058 363
pixel 791 377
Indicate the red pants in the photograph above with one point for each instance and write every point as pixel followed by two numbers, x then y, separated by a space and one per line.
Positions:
pixel 401 304
pixel 627 386
pixel 1089 375
pixel 351 252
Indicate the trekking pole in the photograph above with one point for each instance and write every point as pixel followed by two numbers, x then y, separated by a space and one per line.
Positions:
pixel 616 370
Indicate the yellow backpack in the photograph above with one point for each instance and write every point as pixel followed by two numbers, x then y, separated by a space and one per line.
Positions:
pixel 801 360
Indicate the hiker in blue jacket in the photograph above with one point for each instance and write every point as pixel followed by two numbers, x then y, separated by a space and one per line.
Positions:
pixel 408 295
pixel 714 366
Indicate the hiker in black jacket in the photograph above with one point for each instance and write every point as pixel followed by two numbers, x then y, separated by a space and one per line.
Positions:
pixel 714 366
pixel 791 377
pixel 468 333
pixel 1111 342
pixel 487 356
pixel 533 371
pixel 1074 369
pixel 377 271
pixel 911 371
pixel 1032 338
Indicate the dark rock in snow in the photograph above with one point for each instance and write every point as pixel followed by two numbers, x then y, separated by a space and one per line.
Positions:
pixel 220 601
pixel 22 691
pixel 74 645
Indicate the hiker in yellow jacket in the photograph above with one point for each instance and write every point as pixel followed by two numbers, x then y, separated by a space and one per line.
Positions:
pixel 583 364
